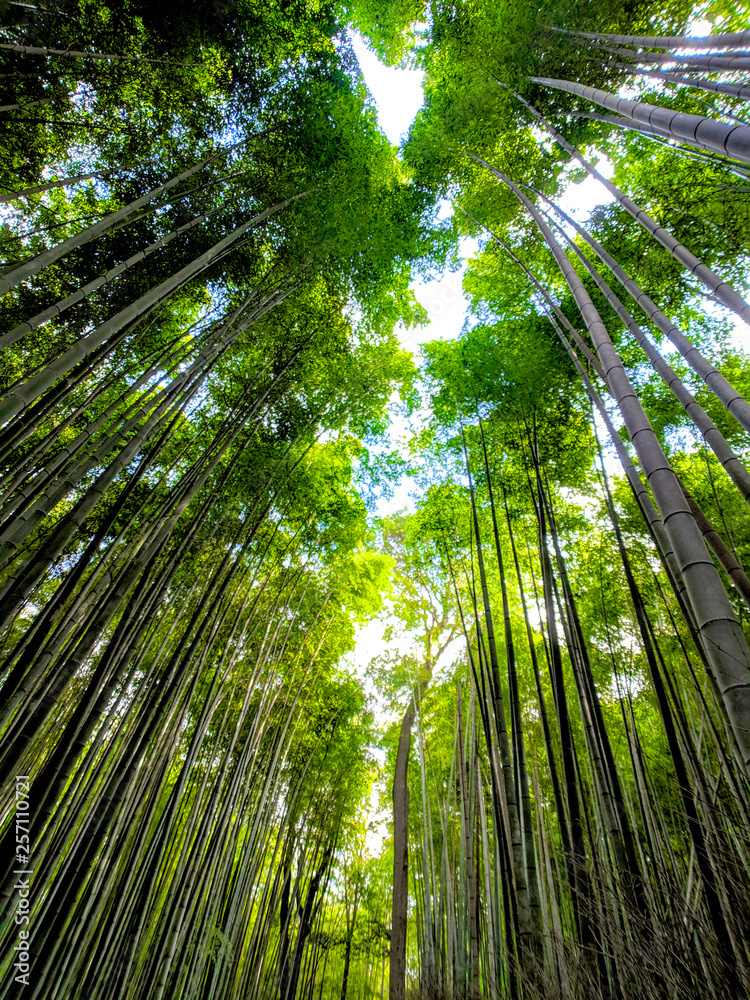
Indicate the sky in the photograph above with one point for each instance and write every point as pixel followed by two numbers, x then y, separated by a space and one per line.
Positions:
pixel 397 95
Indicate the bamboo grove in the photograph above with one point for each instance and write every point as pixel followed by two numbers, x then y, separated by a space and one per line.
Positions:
pixel 208 250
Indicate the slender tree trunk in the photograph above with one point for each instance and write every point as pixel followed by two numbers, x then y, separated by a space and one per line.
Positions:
pixel 730 89
pixel 731 40
pixel 397 977
pixel 707 63
pixel 68 181
pixel 729 140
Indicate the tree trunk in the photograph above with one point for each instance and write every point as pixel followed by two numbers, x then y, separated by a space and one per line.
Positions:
pixel 731 40
pixel 727 140
pixel 397 978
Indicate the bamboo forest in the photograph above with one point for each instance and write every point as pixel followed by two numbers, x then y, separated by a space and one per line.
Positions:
pixel 374 528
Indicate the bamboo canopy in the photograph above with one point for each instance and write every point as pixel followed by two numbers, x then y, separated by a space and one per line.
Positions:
pixel 267 729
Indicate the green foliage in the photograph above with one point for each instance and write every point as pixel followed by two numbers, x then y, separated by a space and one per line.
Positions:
pixel 187 545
